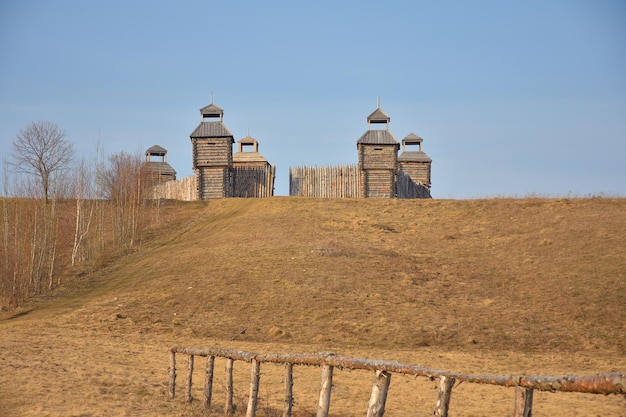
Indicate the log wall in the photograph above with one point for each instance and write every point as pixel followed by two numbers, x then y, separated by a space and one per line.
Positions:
pixel 213 182
pixel 212 152
pixel 378 183
pixel 378 156
pixel 406 187
pixel 420 172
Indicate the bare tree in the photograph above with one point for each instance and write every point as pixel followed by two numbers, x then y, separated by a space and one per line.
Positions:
pixel 124 188
pixel 40 149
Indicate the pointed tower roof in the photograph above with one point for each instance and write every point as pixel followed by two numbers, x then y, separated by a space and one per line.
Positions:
pixel 159 167
pixel 212 111
pixel 156 150
pixel 378 116
pixel 412 137
pixel 211 129
pixel 413 155
pixel 378 137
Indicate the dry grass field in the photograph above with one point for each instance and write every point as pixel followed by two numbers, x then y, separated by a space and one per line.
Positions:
pixel 495 286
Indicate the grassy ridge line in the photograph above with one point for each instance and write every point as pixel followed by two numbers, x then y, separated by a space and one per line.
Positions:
pixel 539 274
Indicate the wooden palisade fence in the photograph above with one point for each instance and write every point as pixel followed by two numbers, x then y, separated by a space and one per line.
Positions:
pixel 183 189
pixel 247 182
pixel 341 181
pixel 254 182
pixel 523 385
pixel 345 181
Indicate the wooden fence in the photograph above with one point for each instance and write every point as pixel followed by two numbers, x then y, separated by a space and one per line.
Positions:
pixel 183 189
pixel 340 181
pixel 344 181
pixel 254 182
pixel 248 182
pixel 523 385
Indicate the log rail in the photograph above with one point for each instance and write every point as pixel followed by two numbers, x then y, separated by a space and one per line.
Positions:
pixel 614 383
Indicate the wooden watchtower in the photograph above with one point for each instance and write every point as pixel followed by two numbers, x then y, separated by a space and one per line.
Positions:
pixel 253 176
pixel 378 154
pixel 156 169
pixel 413 161
pixel 248 154
pixel 212 145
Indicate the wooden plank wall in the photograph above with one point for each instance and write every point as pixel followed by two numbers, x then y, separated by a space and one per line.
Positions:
pixel 254 182
pixel 339 181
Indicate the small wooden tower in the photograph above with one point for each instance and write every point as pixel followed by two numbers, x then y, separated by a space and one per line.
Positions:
pixel 378 154
pixel 212 145
pixel 248 154
pixel 413 161
pixel 156 169
pixel 253 176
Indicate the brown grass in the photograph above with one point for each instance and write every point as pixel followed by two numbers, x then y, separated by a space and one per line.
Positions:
pixel 498 286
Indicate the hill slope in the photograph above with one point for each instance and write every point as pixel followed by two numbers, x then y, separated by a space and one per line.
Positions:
pixel 481 277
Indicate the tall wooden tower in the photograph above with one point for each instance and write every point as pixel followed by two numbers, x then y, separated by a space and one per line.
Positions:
pixel 378 157
pixel 212 145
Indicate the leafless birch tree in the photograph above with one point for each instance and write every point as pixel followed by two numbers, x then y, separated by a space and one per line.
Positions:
pixel 40 149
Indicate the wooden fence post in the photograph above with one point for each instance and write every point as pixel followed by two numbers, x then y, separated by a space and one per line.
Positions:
pixel 326 386
pixel 228 408
pixel 288 390
pixel 523 402
pixel 208 381
pixel 188 397
pixel 172 374
pixel 443 398
pixel 255 375
pixel 379 394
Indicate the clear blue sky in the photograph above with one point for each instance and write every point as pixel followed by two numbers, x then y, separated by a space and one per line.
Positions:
pixel 511 98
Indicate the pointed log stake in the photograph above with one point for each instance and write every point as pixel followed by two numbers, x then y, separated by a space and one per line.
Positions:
pixel 327 383
pixel 288 390
pixel 208 381
pixel 379 394
pixel 255 375
pixel 523 402
pixel 188 397
pixel 443 398
pixel 172 374
pixel 228 408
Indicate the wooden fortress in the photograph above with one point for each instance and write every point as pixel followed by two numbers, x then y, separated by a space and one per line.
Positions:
pixel 379 173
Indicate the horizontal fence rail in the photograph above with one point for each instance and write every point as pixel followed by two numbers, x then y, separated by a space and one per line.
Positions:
pixel 614 383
